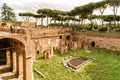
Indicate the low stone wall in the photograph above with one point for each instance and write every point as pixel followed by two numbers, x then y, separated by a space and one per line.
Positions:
pixel 19 31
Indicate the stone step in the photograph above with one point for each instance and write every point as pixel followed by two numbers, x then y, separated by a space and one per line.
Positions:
pixel 5 74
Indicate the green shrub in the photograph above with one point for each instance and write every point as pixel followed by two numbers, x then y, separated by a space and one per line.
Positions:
pixel 118 29
pixel 103 29
pixel 89 28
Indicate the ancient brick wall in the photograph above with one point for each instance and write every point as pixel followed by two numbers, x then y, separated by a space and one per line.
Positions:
pixel 101 40
pixel 48 38
pixel 24 24
pixel 45 40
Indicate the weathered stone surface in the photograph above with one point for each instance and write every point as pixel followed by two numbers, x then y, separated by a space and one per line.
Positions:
pixel 30 41
pixel 102 40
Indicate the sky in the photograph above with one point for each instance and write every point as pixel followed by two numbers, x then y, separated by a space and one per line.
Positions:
pixel 62 2
pixel 34 5
pixel 22 5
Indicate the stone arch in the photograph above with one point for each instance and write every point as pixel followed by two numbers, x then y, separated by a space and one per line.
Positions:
pixel 15 54
pixel 93 43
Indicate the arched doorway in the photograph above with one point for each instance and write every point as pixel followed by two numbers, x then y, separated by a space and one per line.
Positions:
pixel 12 52
pixel 68 38
pixel 60 37
pixel 93 44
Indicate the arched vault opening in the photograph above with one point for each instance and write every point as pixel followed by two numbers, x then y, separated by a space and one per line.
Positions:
pixel 68 38
pixel 12 54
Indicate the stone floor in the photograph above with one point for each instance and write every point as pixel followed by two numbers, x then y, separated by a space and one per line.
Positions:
pixel 5 74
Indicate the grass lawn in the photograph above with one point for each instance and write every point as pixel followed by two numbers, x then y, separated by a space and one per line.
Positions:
pixel 103 66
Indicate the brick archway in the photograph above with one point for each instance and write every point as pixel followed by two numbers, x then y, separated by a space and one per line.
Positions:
pixel 15 56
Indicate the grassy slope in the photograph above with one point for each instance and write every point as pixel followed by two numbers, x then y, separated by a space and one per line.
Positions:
pixel 104 66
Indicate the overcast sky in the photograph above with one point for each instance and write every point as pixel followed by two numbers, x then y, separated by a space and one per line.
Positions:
pixel 61 2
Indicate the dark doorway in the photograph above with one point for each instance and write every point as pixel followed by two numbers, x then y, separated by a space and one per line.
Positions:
pixel 11 58
pixel 3 44
pixel 2 57
pixel 37 52
pixel 93 44
pixel 68 37
pixel 60 37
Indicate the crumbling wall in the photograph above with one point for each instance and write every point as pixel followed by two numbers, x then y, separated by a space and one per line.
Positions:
pixel 25 24
pixel 101 40
pixel 44 38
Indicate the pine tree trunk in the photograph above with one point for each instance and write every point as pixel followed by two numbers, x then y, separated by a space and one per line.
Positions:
pixel 42 21
pixel 47 20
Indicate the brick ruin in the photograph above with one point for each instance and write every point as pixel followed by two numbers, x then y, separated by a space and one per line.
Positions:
pixel 18 49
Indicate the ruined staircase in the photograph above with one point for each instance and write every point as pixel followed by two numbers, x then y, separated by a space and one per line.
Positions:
pixel 5 74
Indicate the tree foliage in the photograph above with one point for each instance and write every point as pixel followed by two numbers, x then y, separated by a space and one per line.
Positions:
pixel 26 15
pixel 114 4
pixel 46 12
pixel 83 11
pixel 38 16
pixel 101 6
pixel 7 13
pixel 79 14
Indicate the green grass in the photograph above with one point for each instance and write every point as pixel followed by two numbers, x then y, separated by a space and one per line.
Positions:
pixel 103 66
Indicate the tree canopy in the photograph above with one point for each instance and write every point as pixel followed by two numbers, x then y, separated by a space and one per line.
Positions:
pixel 7 13
pixel 26 15
pixel 79 14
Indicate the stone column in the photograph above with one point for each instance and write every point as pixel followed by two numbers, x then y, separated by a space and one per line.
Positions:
pixel 51 51
pixel 14 60
pixel 36 43
pixel 27 67
pixel 11 60
pixel 8 56
pixel 20 65
pixel 17 65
